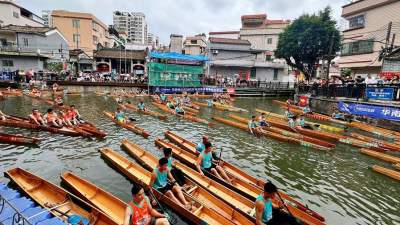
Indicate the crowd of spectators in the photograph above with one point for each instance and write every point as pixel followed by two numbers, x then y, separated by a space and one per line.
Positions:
pixel 107 77
pixel 347 86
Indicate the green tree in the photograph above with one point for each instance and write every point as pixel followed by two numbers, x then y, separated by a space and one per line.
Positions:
pixel 310 38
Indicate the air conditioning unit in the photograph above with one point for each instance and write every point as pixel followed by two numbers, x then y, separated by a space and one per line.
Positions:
pixel 214 52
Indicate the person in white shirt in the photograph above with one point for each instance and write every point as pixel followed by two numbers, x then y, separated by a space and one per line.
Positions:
pixel 370 80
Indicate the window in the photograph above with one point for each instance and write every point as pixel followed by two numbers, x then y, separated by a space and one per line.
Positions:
pixel 276 74
pixel 193 42
pixel 3 41
pixel 7 62
pixel 95 40
pixel 94 25
pixel 268 58
pixel 269 41
pixel 16 14
pixel 26 42
pixel 357 22
pixel 357 47
pixel 76 23
pixel 76 38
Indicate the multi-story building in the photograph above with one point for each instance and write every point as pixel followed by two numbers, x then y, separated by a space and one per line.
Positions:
pixel 224 34
pixel 175 43
pixel 46 15
pixel 26 47
pixel 82 30
pixel 234 59
pixel 195 45
pixel 153 40
pixel 11 13
pixel 262 33
pixel 134 24
pixel 366 32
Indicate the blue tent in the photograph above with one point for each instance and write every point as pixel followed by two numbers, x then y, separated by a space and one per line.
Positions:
pixel 174 55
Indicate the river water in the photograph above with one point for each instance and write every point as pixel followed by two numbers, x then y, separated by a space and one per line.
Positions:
pixel 339 185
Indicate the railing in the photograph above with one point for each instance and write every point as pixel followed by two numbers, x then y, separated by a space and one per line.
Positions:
pixel 343 90
pixel 276 85
pixel 18 218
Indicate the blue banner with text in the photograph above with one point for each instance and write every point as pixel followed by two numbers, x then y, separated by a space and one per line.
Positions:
pixel 378 112
pixel 379 93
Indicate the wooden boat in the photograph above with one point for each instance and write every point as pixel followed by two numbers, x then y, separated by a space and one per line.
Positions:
pixel 388 172
pixel 147 112
pixel 230 107
pixel 217 107
pixel 234 171
pixel 272 135
pixel 149 161
pixel 381 143
pixel 381 156
pixel 187 117
pixel 287 133
pixel 58 201
pixel 12 93
pixel 385 133
pixel 93 130
pixel 128 125
pixel 24 123
pixel 18 139
pixel 104 201
pixel 241 203
pixel 199 214
pixel 194 111
pixel 316 125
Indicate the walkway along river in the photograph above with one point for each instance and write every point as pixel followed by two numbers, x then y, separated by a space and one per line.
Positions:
pixel 339 184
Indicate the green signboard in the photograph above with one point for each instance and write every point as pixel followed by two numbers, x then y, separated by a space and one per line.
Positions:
pixel 173 75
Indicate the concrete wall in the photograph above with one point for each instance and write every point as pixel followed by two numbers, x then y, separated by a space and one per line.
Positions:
pixel 22 63
pixel 267 74
pixel 6 16
pixel 227 71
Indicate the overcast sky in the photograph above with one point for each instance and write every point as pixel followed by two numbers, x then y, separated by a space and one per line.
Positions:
pixel 189 17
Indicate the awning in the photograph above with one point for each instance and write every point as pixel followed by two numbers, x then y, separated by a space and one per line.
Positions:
pixel 174 55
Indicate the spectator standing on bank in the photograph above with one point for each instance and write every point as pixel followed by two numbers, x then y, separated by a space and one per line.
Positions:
pixel 359 86
pixel 349 86
pixel 314 88
pixel 370 80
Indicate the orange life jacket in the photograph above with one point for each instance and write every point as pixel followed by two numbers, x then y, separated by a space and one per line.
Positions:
pixel 140 215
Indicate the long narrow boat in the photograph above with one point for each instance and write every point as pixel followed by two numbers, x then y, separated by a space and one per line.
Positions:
pixel 385 133
pixel 238 185
pixel 235 171
pixel 187 117
pixel 90 128
pixel 18 139
pixel 199 214
pixel 272 135
pixel 128 125
pixel 317 125
pixel 24 123
pixel 216 107
pixel 147 112
pixel 388 172
pixel 149 161
pixel 287 133
pixel 104 201
pixel 381 143
pixel 58 201
pixel 381 156
pixel 397 166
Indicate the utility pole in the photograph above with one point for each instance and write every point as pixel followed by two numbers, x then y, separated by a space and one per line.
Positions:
pixel 389 31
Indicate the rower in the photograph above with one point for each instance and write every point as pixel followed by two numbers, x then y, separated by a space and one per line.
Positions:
pixel 253 127
pixel 302 122
pixel 292 123
pixel 163 98
pixel 36 117
pixel 201 145
pixel 179 110
pixel 52 119
pixel 74 114
pixel 170 105
pixel 205 163
pixel 120 116
pixel 262 119
pixel 59 101
pixel 141 106
pixel 176 173
pixel 265 213
pixel 186 100
pixel 140 211
pixel 337 115
pixel 2 116
pixel 66 118
pixel 159 181
pixel 55 87
pixel 306 109
pixel 288 113
pixel 209 103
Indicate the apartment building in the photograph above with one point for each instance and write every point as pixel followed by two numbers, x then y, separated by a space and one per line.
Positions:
pixel 366 32
pixel 82 30
pixel 153 40
pixel 262 33
pixel 133 23
pixel 195 45
pixel 12 13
